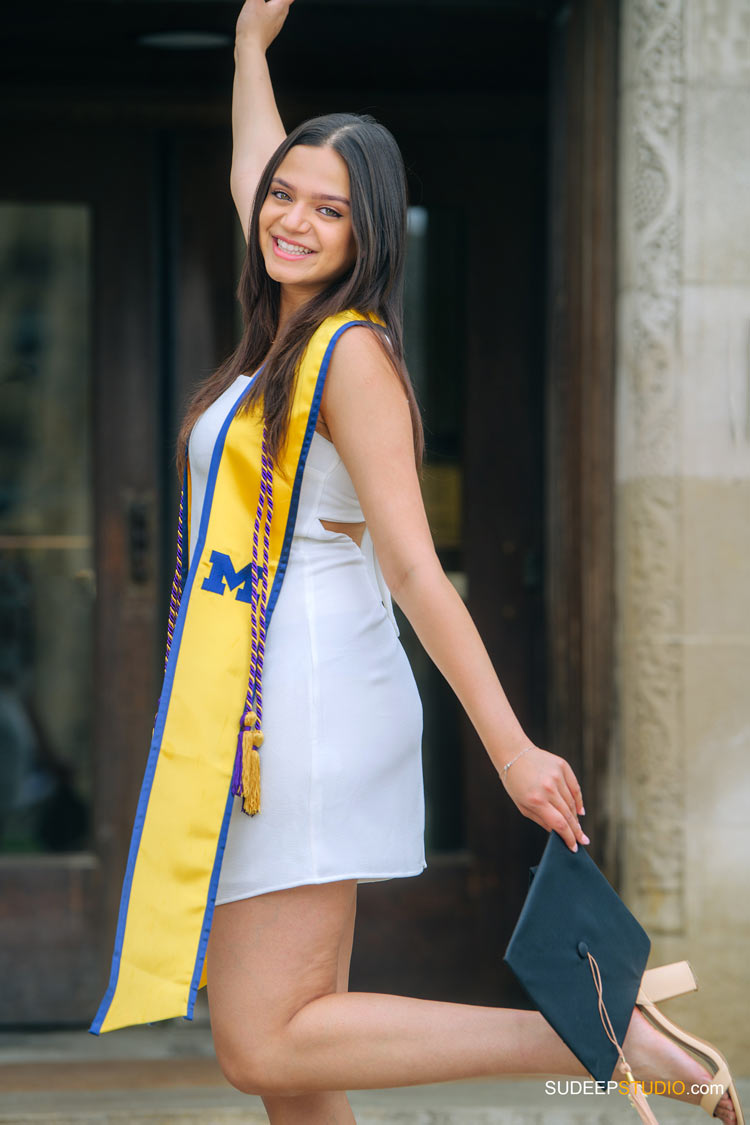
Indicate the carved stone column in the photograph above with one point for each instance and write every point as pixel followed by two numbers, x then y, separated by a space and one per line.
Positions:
pixel 683 496
pixel 650 780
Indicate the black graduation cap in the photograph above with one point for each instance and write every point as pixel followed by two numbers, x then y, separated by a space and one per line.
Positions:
pixel 573 931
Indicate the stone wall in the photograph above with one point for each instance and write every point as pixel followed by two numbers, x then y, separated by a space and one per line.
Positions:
pixel 682 780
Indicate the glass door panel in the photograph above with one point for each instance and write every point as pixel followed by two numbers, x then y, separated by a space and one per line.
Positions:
pixel 47 586
pixel 79 393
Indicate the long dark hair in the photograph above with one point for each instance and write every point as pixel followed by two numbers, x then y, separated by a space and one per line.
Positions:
pixel 374 283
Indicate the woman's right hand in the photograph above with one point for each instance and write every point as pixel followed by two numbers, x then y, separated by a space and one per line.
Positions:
pixel 260 21
pixel 544 788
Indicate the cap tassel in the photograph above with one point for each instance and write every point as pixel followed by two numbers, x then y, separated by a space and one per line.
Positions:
pixel 636 1095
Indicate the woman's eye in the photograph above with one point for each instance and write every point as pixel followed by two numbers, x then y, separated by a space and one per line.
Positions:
pixel 279 193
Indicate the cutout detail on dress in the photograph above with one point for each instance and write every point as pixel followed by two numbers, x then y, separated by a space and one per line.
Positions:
pixel 355 531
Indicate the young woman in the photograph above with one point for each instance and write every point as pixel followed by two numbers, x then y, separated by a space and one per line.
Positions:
pixel 324 215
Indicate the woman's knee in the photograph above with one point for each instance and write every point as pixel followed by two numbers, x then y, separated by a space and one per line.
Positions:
pixel 267 958
pixel 265 1072
pixel 250 1072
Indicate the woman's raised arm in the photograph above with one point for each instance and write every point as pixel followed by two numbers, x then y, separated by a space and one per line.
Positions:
pixel 257 129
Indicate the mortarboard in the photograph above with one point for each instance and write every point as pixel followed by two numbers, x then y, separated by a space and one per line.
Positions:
pixel 580 955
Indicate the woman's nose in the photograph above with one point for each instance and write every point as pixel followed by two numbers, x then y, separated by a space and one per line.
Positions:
pixel 294 217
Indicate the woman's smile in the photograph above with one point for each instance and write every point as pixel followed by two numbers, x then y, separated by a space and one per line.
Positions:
pixel 285 248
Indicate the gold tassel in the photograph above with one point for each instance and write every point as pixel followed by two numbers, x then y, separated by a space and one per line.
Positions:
pixel 637 1098
pixel 250 772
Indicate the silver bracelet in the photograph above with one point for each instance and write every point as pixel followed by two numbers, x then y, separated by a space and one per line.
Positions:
pixel 507 765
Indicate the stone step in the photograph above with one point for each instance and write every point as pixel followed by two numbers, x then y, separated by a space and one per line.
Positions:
pixel 158 1076
pixel 150 1101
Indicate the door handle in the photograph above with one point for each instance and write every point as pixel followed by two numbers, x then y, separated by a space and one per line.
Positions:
pixel 139 519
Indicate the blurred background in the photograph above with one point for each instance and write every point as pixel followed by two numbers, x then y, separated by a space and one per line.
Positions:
pixel 578 331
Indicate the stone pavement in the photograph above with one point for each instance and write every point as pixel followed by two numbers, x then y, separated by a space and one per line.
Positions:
pixel 167 1075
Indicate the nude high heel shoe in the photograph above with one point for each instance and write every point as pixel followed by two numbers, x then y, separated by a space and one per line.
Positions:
pixel 663 983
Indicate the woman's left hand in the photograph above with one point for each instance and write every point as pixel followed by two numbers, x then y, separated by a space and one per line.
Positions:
pixel 545 789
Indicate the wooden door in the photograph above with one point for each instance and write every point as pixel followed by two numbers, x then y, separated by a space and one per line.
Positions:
pixel 79 514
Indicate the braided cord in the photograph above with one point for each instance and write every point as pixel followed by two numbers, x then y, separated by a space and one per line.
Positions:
pixel 636 1096
pixel 267 471
pixel 253 711
pixel 254 578
pixel 178 581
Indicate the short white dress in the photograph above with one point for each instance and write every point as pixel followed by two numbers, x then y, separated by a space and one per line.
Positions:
pixel 342 792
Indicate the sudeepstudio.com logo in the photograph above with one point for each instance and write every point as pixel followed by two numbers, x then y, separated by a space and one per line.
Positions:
pixel 668 1088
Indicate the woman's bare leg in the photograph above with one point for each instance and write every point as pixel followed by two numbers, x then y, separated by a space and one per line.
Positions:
pixel 329 1107
pixel 280 1026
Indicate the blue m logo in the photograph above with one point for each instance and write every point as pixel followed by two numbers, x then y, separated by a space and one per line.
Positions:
pixel 222 570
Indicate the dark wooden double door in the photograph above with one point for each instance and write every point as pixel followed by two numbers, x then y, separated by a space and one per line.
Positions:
pixel 160 253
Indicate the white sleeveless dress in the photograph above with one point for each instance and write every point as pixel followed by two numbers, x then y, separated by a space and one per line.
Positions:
pixel 342 793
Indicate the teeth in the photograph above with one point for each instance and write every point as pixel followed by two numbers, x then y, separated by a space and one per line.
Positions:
pixel 289 248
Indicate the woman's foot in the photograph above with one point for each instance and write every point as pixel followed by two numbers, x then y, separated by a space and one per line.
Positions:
pixel 654 1057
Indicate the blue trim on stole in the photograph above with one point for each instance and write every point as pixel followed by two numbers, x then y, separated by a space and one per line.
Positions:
pixel 169 678
pixel 161 717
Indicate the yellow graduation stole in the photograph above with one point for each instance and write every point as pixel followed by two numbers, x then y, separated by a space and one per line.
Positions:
pixel 198 761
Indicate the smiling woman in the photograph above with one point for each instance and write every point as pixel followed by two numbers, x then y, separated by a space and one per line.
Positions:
pixel 298 224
